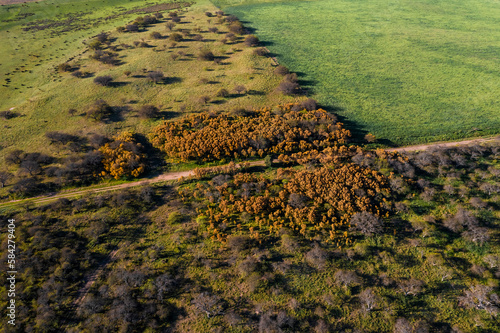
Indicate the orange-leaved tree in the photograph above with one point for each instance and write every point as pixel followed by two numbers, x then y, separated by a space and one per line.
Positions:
pixel 123 157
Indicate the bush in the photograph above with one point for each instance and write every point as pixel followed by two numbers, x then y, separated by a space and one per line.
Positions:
pixel 78 74
pixel 367 223
pixel 213 29
pixel 155 35
pixel 65 67
pixel 370 138
pixel 8 114
pixel 206 55
pixel 198 38
pixel 104 81
pixel 156 76
pixel 251 40
pixel 148 111
pixel 240 89
pixel 222 93
pixel 287 87
pixel 176 37
pixel 261 52
pixel 132 27
pixel 309 104
pixel 237 28
pixel 95 45
pixel 170 25
pixel 281 70
pixel 100 110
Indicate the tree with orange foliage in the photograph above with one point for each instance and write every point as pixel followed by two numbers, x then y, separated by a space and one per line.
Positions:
pixel 123 157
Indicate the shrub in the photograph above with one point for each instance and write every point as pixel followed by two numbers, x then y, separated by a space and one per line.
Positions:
pixel 213 29
pixel 367 223
pixel 65 67
pixel 309 104
pixel 104 81
pixel 156 76
pixel 206 55
pixel 316 257
pixel 25 187
pixel 148 111
pixel 287 87
pixel 232 37
pixel 176 37
pixel 251 40
pixel 261 52
pixel 100 110
pixel 120 29
pixel 236 27
pixel 222 93
pixel 198 38
pixel 8 114
pixel 370 138
pixel 240 89
pixel 78 74
pixel 204 99
pixel 155 35
pixel 4 177
pixel 170 25
pixel 176 19
pixel 123 157
pixel 15 157
pixel 132 27
pixel 281 70
pixel 95 45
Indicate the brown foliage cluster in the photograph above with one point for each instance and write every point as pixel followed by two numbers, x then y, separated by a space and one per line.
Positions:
pixel 209 136
pixel 123 157
pixel 318 203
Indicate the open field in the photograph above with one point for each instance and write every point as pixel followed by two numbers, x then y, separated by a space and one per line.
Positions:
pixel 41 96
pixel 407 72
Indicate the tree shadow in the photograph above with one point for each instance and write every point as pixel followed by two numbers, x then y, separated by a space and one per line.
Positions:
pixel 117 84
pixel 170 80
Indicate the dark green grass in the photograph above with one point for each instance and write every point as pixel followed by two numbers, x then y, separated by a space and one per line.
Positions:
pixel 407 72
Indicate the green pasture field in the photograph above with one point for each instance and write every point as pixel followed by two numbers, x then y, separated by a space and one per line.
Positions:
pixel 42 96
pixel 406 71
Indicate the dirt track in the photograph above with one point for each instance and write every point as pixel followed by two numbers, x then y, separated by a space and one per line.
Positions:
pixel 444 144
pixel 184 174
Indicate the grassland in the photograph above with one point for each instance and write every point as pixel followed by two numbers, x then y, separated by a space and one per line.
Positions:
pixel 407 72
pixel 42 96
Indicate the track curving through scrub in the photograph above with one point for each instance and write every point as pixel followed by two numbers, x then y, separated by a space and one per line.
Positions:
pixel 169 176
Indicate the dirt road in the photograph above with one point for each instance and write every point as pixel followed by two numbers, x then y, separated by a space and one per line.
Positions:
pixel 80 192
pixel 184 174
pixel 444 144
